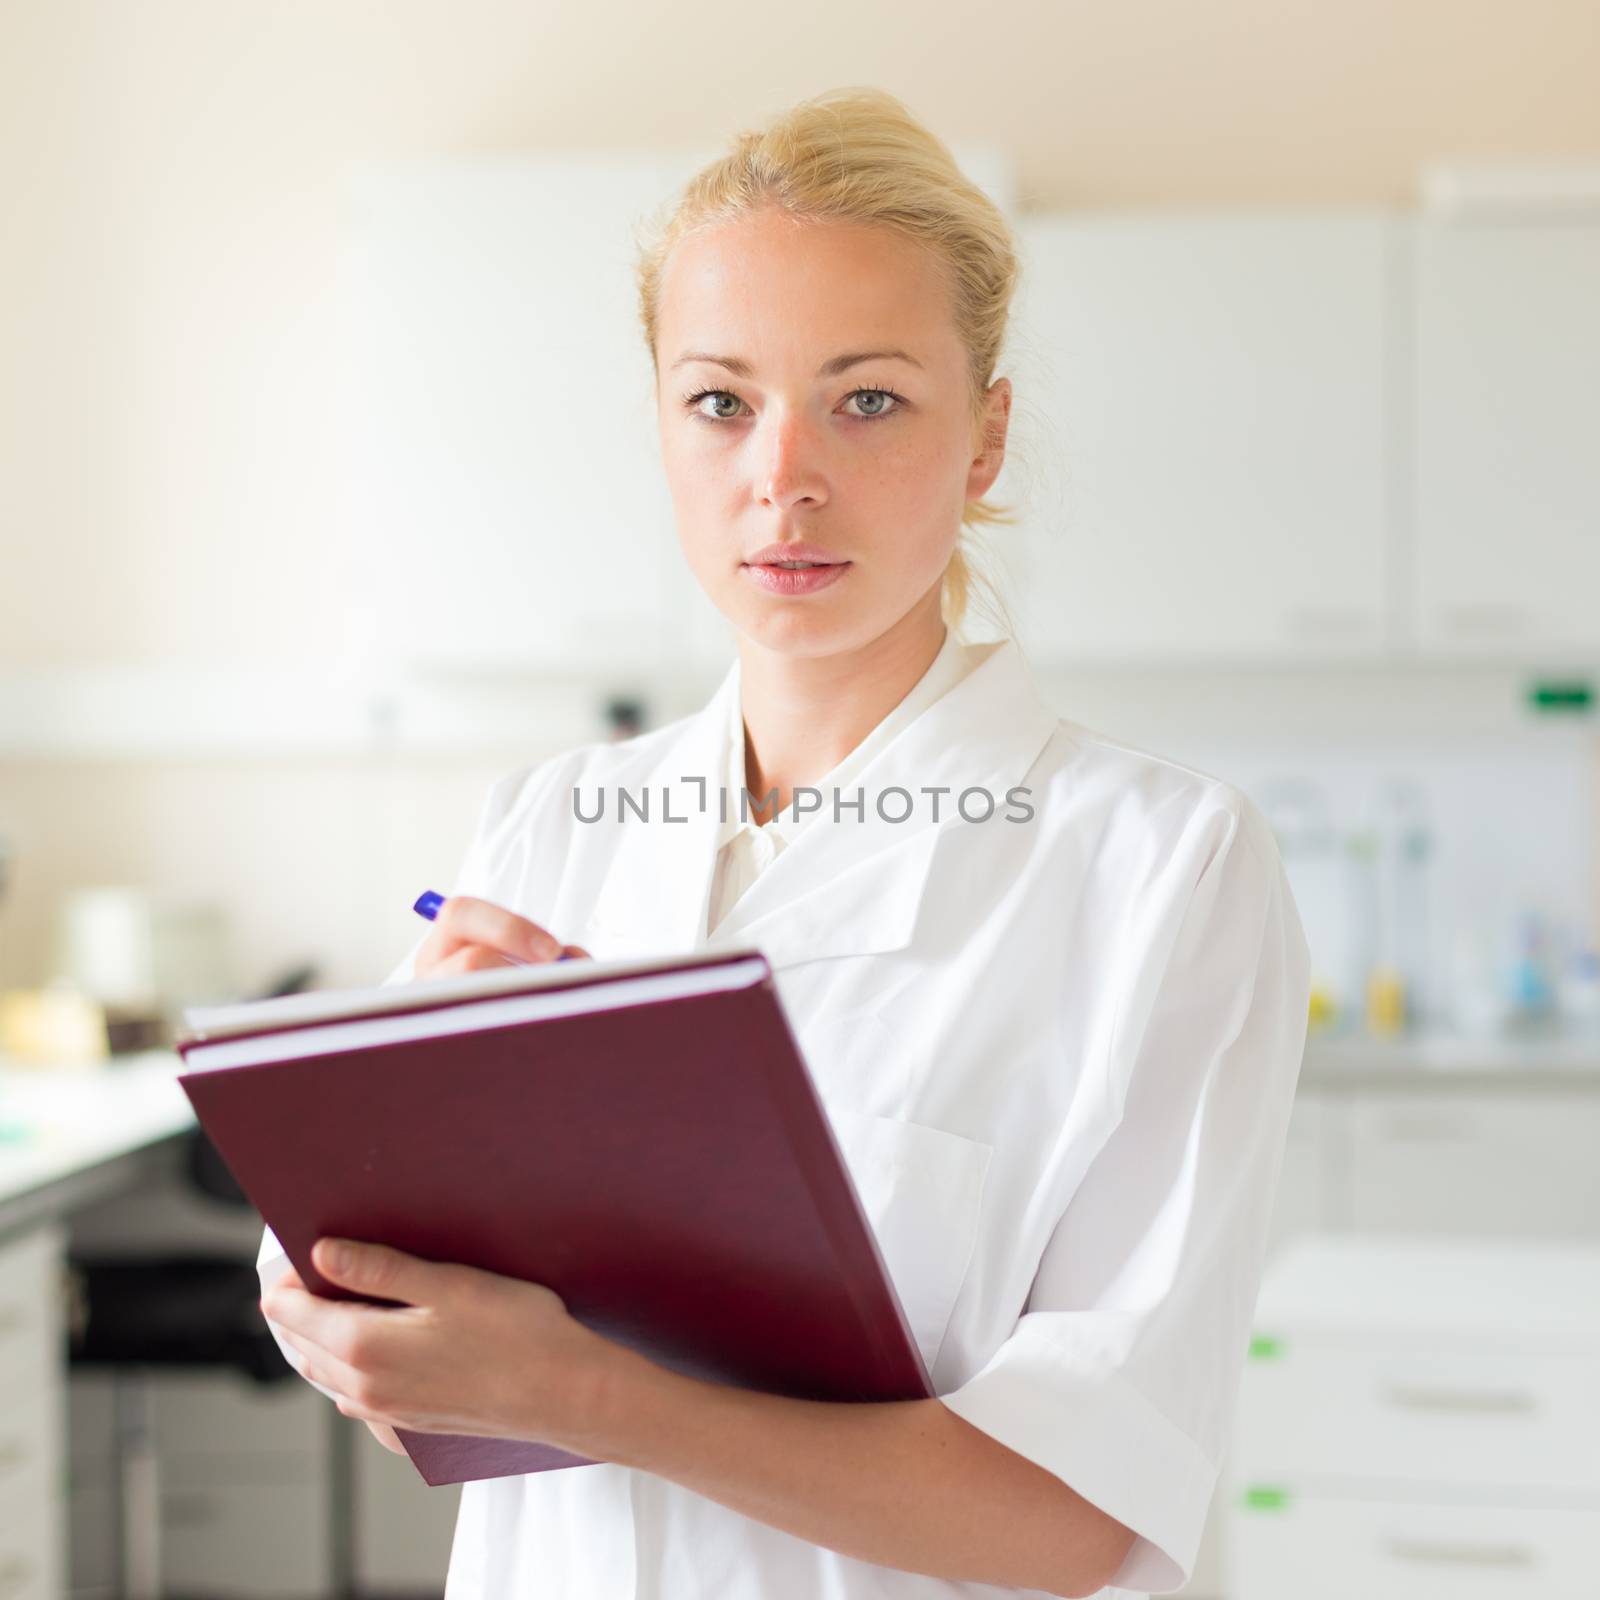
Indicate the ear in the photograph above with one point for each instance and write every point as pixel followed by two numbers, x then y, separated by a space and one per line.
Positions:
pixel 996 423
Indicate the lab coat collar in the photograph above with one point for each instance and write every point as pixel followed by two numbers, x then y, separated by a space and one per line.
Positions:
pixel 843 886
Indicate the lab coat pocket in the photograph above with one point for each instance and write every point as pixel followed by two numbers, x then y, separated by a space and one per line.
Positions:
pixel 922 1190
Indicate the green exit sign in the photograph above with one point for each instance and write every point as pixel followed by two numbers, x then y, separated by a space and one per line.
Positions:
pixel 1561 696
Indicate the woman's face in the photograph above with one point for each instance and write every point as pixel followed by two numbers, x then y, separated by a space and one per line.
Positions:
pixel 781 441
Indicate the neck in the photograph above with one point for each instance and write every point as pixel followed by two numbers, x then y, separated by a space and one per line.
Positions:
pixel 804 714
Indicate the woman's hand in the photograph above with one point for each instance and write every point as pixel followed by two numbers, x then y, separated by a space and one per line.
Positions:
pixel 472 935
pixel 387 1437
pixel 465 1351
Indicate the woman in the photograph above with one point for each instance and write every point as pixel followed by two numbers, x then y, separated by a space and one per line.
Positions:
pixel 1053 989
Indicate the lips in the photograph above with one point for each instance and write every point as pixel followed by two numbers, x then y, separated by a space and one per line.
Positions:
pixel 777 554
pixel 774 579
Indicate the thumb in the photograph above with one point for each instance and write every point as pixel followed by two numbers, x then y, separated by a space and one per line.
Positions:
pixel 373 1269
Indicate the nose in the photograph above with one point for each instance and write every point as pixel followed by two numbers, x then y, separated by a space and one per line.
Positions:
pixel 791 465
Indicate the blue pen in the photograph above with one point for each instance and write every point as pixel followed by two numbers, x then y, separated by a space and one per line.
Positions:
pixel 428 904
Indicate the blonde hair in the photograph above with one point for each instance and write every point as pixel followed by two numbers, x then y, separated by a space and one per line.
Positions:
pixel 858 155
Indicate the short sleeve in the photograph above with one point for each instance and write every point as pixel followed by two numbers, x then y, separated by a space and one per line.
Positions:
pixel 475 877
pixel 1122 1373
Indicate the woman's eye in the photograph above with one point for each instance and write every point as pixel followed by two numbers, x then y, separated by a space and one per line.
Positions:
pixel 884 401
pixel 716 395
pixel 725 406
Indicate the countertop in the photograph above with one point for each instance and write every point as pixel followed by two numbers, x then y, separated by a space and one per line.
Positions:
pixel 71 1136
pixel 1548 1058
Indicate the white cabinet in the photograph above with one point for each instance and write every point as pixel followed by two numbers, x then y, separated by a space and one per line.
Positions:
pixel 244 1475
pixel 1305 1196
pixel 1458 1161
pixel 507 490
pixel 1309 1549
pixel 1481 1162
pixel 1418 1419
pixel 1202 425
pixel 1308 1180
pixel 1507 434
pixel 404 1527
pixel 1236 438
pixel 32 1404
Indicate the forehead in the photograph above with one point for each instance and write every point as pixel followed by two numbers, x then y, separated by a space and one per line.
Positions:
pixel 767 284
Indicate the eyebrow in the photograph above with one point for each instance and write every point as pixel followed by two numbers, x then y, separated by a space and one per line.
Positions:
pixel 828 369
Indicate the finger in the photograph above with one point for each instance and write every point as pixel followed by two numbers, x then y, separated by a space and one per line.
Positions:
pixel 321 1366
pixel 379 1269
pixel 466 958
pixel 373 1418
pixel 480 958
pixel 465 919
pixel 576 951
pixel 387 1437
pixel 332 1324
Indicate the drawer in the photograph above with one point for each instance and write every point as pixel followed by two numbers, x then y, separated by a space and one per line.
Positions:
pixel 1305 1548
pixel 1319 1412
pixel 246 1540
pixel 1489 1164
pixel 32 1538
pixel 224 1413
pixel 205 1414
pixel 222 1540
pixel 92 1536
pixel 29 1441
pixel 26 1574
pixel 30 1322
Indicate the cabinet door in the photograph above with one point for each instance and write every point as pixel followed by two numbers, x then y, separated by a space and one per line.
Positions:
pixel 1202 437
pixel 234 1539
pixel 32 1416
pixel 404 1527
pixel 508 494
pixel 1480 1162
pixel 1288 1546
pixel 1508 440
pixel 1304 1200
pixel 1303 1203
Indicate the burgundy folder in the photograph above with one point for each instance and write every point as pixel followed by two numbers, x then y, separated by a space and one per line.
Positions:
pixel 641 1136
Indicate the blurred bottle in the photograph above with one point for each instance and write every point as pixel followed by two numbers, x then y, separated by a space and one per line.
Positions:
pixel 1297 809
pixel 1387 1016
pixel 1399 985
pixel 1480 1000
pixel 1530 974
pixel 1362 952
pixel 1579 993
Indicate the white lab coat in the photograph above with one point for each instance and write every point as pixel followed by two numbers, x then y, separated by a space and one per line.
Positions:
pixel 1060 1055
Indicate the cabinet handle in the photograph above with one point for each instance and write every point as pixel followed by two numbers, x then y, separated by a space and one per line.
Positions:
pixel 1450 1553
pixel 1412 1398
pixel 1329 622
pixel 1423 1128
pixel 191 1509
pixel 15 1572
pixel 1485 621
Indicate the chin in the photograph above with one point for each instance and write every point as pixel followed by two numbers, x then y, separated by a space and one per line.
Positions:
pixel 805 630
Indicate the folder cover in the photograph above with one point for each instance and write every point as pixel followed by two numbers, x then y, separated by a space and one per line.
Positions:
pixel 643 1137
